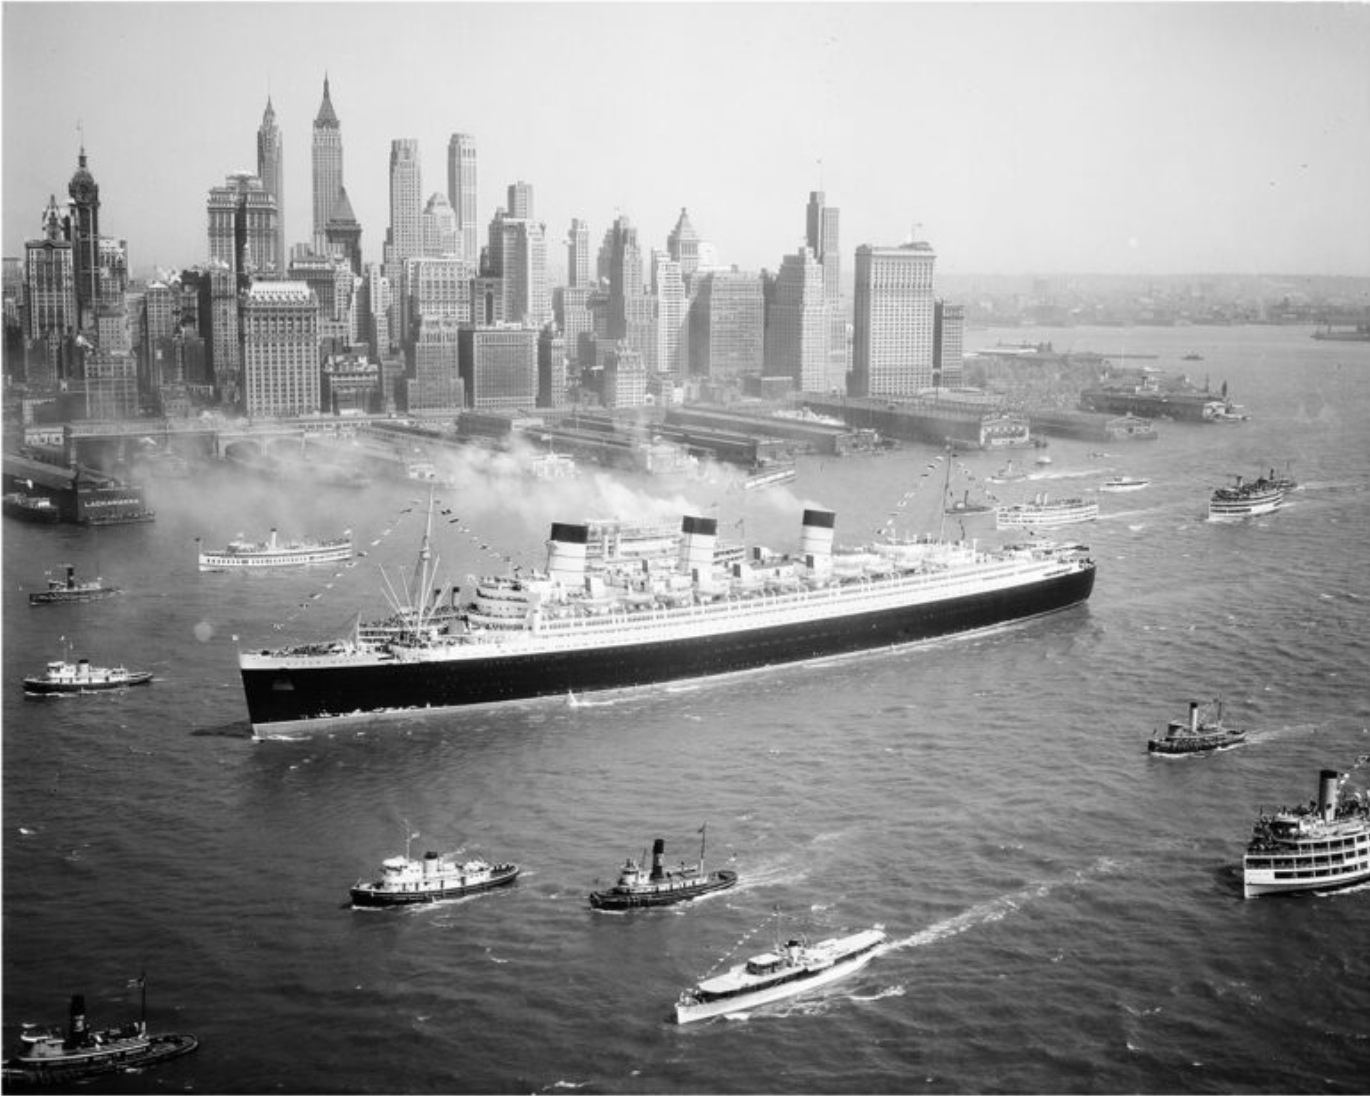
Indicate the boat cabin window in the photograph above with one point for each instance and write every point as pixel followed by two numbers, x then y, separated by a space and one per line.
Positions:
pixel 763 964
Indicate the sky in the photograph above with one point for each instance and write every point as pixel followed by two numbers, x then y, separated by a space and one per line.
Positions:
pixel 1112 138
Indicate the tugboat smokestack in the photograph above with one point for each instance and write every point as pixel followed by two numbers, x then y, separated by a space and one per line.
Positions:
pixel 658 850
pixel 71 577
pixel 1193 717
pixel 1327 793
pixel 77 1026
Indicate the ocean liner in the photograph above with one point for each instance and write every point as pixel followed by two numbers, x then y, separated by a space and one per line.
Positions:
pixel 572 629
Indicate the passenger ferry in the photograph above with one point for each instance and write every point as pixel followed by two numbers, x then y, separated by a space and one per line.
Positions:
pixel 787 971
pixel 1319 847
pixel 1045 513
pixel 277 553
pixel 1246 500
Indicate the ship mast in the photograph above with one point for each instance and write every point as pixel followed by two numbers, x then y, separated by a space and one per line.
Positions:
pixel 946 486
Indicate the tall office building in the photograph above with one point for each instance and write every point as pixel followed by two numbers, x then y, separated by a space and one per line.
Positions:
pixel 630 308
pixel 327 156
pixel 281 370
pixel 499 367
pixel 158 361
pixel 520 203
pixel 439 286
pixel 517 257
pixel 271 171
pixel 242 228
pixel 461 193
pixel 404 237
pixel 683 244
pixel 948 342
pixel 436 384
pixel 892 349
pixel 440 235
pixel 578 254
pixel 727 325
pixel 49 300
pixel 668 287
pixel 821 233
pixel 84 233
pixel 797 323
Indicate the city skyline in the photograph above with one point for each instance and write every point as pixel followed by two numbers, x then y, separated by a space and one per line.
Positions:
pixel 1116 138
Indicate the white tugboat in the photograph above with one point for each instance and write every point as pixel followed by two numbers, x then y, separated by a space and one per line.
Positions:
pixel 437 876
pixel 81 677
pixel 791 969
pixel 274 552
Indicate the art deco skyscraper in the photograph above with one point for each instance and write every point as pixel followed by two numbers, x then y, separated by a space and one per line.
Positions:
pixel 404 237
pixel 270 170
pixel 242 228
pixel 461 193
pixel 578 255
pixel 327 155
pixel 821 225
pixel 520 204
pixel 683 244
pixel 892 349
pixel 797 323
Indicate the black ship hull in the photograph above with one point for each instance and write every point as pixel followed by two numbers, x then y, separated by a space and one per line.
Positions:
pixel 615 899
pixel 367 896
pixel 1196 745
pixel 23 1074
pixel 277 695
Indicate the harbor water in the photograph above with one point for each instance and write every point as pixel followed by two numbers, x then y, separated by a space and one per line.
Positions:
pixel 1064 911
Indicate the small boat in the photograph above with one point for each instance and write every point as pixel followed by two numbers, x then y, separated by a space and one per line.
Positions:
pixel 81 677
pixel 1007 474
pixel 1202 732
pixel 51 1056
pixel 660 887
pixel 1319 847
pixel 1193 358
pixel 1043 459
pixel 1245 500
pixel 965 506
pixel 436 877
pixel 274 552
pixel 1124 483
pixel 35 508
pixel 60 591
pixel 788 970
pixel 1045 512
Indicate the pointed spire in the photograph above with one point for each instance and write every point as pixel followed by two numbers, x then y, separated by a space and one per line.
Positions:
pixel 327 117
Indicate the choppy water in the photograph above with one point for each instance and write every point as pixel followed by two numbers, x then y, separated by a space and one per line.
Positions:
pixel 1064 912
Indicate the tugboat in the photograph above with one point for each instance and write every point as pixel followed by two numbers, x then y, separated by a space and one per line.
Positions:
pixel 772 976
pixel 35 508
pixel 1318 847
pixel 82 677
pixel 1201 733
pixel 61 591
pixel 55 1057
pixel 436 877
pixel 661 887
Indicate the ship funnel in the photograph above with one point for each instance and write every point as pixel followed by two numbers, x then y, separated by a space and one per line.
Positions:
pixel 1327 794
pixel 77 1025
pixel 816 542
pixel 71 576
pixel 566 550
pixel 697 547
pixel 273 537
pixel 1193 717
pixel 658 851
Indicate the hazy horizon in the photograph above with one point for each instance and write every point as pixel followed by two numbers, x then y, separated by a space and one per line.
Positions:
pixel 1114 138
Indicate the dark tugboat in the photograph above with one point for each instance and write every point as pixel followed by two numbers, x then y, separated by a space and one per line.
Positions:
pixel 61 591
pixel 661 887
pixel 54 1057
pixel 35 508
pixel 1204 731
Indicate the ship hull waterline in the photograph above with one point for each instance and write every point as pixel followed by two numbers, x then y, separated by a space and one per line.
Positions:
pixel 280 696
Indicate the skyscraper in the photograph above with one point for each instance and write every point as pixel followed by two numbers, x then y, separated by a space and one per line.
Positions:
pixel 404 238
pixel 242 228
pixel 270 169
pixel 821 233
pixel 520 203
pixel 517 256
pixel 327 154
pixel 461 193
pixel 892 351
pixel 343 235
pixel 578 254
pixel 85 244
pixel 49 298
pixel 440 236
pixel 727 325
pixel 281 370
pixel 683 244
pixel 797 323
pixel 668 286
